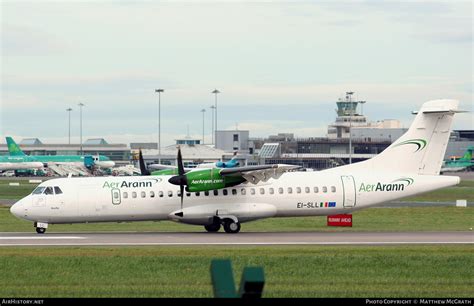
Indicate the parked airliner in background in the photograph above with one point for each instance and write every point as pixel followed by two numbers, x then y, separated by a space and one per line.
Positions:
pixel 19 156
pixel 231 196
pixel 18 163
pixel 464 163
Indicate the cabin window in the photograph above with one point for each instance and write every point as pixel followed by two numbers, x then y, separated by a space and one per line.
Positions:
pixel 206 193
pixel 197 194
pixel 188 194
pixel 234 191
pixel 216 192
pixel 262 191
pixel 298 189
pixel 152 194
pixel 243 191
pixel 57 190
pixel 170 193
pixel 270 190
pixel 333 188
pixel 178 193
pixel 125 195
pixel 134 194
pixel 143 194
pixel 325 189
pixel 306 189
pixel 38 190
pixel 252 191
pixel 290 190
pixel 280 190
pixel 224 192
pixel 49 190
pixel 316 189
pixel 160 194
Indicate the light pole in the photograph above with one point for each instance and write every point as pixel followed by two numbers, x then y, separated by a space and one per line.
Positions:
pixel 203 111
pixel 69 129
pixel 349 97
pixel 213 108
pixel 159 91
pixel 350 138
pixel 80 118
pixel 215 92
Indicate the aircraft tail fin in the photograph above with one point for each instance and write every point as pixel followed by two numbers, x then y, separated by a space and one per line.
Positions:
pixel 13 148
pixel 422 148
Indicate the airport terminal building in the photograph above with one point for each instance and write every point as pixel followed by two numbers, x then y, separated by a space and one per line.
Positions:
pixel 351 138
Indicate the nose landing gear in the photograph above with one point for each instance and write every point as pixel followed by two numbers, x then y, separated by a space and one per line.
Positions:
pixel 41 227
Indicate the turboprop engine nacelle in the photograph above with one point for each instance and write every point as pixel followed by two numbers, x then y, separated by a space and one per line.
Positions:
pixel 205 180
pixel 205 214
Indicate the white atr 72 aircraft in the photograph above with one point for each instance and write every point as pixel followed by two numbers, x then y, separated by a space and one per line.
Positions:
pixel 232 196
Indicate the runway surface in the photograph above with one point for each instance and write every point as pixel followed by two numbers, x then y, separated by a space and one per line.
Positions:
pixel 243 238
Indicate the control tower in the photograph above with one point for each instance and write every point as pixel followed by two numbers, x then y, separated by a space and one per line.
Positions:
pixel 347 117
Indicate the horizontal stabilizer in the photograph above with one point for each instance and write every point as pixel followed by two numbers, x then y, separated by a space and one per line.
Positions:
pixel 451 111
pixel 442 106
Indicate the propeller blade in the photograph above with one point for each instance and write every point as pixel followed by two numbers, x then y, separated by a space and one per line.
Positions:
pixel 181 178
pixel 143 169
pixel 181 188
pixel 180 163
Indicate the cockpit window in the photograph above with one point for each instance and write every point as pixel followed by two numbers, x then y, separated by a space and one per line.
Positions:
pixel 57 190
pixel 38 190
pixel 49 190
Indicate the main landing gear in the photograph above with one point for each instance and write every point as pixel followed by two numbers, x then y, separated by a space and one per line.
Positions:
pixel 212 228
pixel 230 226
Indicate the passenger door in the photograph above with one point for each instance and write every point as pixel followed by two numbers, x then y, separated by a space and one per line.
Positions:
pixel 349 190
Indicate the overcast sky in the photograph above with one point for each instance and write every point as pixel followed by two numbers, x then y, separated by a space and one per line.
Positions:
pixel 280 66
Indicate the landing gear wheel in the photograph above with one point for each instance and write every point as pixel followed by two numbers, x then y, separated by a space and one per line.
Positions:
pixel 40 230
pixel 212 228
pixel 231 227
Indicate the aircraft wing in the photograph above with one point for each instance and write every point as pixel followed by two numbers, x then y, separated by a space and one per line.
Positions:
pixel 256 174
pixel 165 167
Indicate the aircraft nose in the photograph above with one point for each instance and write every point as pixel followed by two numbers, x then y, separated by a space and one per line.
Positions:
pixel 16 209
